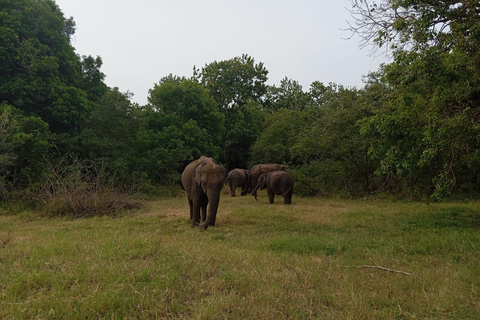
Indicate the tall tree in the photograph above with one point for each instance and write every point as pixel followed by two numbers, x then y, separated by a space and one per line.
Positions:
pixel 47 91
pixel 414 25
pixel 234 84
pixel 92 78
pixel 39 70
pixel 182 122
pixel 280 132
pixel 332 145
pixel 428 127
pixel 289 95
pixel 109 137
pixel 24 144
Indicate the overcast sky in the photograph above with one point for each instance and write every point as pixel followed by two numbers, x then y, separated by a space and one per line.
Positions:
pixel 142 41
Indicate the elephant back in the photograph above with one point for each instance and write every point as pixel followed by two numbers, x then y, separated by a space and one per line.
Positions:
pixel 237 173
pixel 191 168
pixel 260 169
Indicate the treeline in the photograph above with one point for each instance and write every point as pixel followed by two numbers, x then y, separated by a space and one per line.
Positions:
pixel 412 130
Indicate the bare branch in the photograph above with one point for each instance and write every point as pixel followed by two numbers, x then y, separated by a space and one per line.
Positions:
pixel 392 25
pixel 382 268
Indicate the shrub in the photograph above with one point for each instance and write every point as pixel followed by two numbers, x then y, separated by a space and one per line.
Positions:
pixel 81 190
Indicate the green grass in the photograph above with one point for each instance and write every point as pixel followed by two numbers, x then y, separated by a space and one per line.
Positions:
pixel 261 261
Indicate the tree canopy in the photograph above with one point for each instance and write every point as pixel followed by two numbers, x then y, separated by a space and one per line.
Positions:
pixel 412 130
pixel 235 84
pixel 426 129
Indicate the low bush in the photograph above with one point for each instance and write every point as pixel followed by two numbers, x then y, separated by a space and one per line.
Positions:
pixel 74 188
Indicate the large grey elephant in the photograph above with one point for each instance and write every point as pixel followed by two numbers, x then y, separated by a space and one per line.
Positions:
pixel 238 178
pixel 276 182
pixel 260 169
pixel 203 180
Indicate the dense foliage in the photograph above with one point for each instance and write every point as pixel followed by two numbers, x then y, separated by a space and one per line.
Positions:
pixel 413 129
pixel 426 132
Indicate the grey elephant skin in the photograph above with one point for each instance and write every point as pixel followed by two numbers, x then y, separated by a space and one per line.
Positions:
pixel 238 178
pixel 260 169
pixel 203 180
pixel 276 182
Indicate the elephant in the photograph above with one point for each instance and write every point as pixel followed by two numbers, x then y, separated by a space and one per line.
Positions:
pixel 277 182
pixel 238 178
pixel 203 180
pixel 259 169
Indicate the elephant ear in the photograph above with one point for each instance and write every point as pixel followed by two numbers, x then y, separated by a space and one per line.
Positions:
pixel 262 180
pixel 267 179
pixel 196 174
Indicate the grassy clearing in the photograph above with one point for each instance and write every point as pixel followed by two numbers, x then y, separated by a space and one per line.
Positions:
pixel 261 262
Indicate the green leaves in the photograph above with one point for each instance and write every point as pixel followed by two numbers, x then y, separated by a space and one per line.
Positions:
pixel 24 144
pixel 181 123
pixel 40 72
pixel 319 139
pixel 416 25
pixel 237 85
pixel 234 82
pixel 416 123
pixel 425 132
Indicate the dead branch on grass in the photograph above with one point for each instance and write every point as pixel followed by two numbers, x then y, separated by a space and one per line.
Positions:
pixel 383 268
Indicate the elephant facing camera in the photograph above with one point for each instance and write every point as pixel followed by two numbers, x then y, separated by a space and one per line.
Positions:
pixel 203 181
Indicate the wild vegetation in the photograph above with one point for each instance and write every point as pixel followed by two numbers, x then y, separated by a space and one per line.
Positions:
pixel 412 130
pixel 71 147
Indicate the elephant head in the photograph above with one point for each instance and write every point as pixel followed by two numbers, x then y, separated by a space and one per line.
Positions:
pixel 210 177
pixel 260 169
pixel 261 184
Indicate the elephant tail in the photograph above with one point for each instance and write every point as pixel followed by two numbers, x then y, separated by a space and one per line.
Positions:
pixel 289 189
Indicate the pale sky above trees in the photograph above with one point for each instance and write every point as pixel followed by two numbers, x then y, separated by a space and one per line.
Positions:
pixel 145 40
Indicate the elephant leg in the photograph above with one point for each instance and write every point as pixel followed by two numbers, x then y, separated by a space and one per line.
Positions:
pixel 271 195
pixel 253 184
pixel 204 212
pixel 190 204
pixel 244 187
pixel 211 220
pixel 196 213
pixel 232 188
pixel 213 202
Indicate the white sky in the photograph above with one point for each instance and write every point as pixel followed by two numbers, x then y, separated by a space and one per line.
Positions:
pixel 142 41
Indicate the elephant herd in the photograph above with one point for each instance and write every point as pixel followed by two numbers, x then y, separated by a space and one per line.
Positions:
pixel 203 181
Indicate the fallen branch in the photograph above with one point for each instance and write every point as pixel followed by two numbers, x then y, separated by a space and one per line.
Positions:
pixel 382 268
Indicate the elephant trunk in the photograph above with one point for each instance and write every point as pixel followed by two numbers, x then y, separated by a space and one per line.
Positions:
pixel 255 192
pixel 213 202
